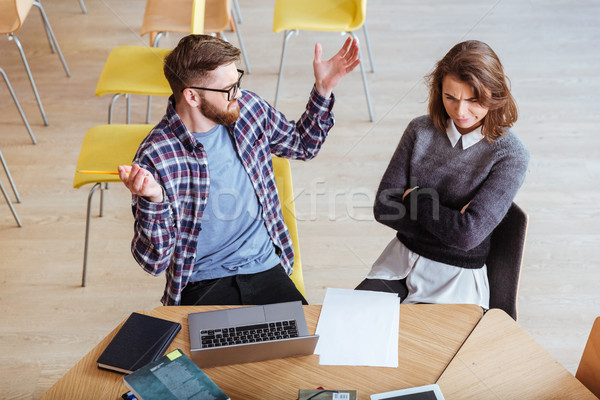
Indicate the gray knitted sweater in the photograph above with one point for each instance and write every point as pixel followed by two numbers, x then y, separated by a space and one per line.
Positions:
pixel 429 221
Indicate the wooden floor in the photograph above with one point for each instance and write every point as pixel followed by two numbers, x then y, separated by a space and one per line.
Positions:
pixel 549 49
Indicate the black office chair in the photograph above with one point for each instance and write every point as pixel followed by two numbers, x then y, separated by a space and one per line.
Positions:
pixel 505 259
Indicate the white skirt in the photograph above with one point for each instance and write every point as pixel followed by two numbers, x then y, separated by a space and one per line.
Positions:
pixel 430 281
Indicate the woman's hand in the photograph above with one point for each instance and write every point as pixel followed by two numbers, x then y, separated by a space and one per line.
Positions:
pixel 465 208
pixel 407 191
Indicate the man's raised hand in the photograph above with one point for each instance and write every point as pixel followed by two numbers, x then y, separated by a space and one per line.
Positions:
pixel 329 73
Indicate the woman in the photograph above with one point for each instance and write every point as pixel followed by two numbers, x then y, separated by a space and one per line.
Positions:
pixel 450 182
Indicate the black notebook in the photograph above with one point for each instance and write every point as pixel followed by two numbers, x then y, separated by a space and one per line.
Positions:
pixel 141 339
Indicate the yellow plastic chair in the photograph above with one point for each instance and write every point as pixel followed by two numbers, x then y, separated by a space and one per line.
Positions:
pixel 12 16
pixel 162 16
pixel 104 148
pixel 133 70
pixel 283 179
pixel 138 70
pixel 292 16
pixel 588 371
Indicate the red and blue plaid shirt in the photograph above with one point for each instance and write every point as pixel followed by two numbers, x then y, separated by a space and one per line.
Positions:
pixel 166 234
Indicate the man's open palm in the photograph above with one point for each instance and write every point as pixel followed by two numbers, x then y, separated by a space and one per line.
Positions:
pixel 329 73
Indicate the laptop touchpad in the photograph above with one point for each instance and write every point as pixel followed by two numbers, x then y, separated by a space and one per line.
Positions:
pixel 246 315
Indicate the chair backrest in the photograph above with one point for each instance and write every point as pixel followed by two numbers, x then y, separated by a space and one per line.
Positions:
pixel 359 16
pixel 505 259
pixel 134 70
pixel 588 372
pixel 12 14
pixel 166 16
pixel 217 16
pixel 317 15
pixel 283 179
pixel 208 16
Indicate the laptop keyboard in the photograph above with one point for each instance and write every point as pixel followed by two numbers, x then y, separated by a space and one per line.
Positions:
pixel 248 334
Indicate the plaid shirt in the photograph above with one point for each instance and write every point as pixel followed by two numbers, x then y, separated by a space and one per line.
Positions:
pixel 166 234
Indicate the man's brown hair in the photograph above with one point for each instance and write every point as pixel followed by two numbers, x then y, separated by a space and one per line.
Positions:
pixel 195 56
pixel 475 63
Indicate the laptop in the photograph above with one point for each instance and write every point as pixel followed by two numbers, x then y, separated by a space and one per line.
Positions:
pixel 248 334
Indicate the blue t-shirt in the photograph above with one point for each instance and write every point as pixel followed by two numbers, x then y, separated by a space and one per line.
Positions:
pixel 234 239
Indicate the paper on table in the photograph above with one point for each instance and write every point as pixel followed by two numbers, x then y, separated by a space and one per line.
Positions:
pixel 358 328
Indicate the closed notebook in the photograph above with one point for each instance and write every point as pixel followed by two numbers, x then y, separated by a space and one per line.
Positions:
pixel 173 376
pixel 141 339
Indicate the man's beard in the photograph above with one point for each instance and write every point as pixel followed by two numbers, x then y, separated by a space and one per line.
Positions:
pixel 226 117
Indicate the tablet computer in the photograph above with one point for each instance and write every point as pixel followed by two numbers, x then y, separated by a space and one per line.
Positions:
pixel 427 392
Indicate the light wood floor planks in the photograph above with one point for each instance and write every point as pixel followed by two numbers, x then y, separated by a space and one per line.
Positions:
pixel 550 51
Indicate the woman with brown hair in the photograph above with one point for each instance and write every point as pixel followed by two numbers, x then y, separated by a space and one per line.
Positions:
pixel 450 182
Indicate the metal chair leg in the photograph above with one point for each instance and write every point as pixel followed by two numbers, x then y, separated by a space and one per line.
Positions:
pixel 286 37
pixel 50 42
pixel 10 179
pixel 111 105
pixel 13 37
pixel 241 41
pixel 156 40
pixel 128 97
pixel 52 37
pixel 14 96
pixel 87 232
pixel 364 78
pixel 368 42
pixel 128 110
pixel 82 4
pixel 103 188
pixel 236 11
pixel 14 188
pixel 49 36
pixel 12 208
pixel 149 110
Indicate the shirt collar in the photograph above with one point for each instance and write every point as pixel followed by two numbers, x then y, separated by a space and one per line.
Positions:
pixel 468 140
pixel 178 127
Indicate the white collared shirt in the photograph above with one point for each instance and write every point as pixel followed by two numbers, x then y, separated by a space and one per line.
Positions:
pixel 431 281
pixel 468 140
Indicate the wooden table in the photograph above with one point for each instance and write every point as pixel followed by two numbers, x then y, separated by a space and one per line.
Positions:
pixel 500 360
pixel 430 336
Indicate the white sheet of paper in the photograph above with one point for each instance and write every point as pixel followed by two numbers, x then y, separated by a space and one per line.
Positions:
pixel 358 327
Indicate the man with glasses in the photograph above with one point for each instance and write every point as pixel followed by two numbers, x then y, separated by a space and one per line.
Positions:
pixel 205 201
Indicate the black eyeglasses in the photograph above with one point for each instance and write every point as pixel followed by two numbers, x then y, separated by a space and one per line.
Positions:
pixel 231 92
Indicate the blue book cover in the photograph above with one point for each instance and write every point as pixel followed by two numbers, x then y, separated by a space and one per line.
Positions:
pixel 174 376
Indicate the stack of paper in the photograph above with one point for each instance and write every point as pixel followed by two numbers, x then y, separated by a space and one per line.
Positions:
pixel 358 328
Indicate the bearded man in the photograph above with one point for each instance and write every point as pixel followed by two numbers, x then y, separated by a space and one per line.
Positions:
pixel 205 203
